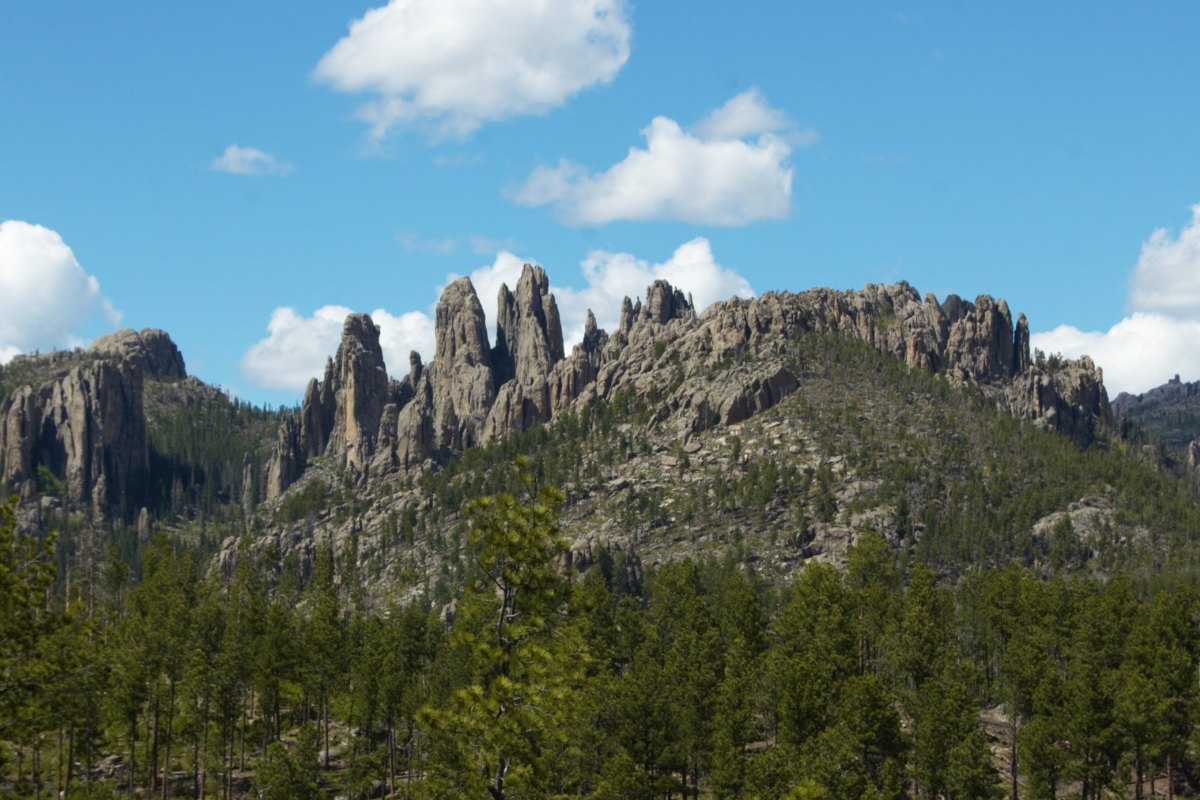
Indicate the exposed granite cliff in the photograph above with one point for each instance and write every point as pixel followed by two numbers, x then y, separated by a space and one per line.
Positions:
pixel 529 343
pixel 150 349
pixel 475 392
pixel 340 414
pixel 82 417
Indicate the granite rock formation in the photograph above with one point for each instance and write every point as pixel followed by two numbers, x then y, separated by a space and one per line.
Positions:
pixel 663 353
pixel 85 422
pixel 150 350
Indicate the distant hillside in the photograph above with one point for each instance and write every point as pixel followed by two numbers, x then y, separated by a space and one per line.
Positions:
pixel 1169 414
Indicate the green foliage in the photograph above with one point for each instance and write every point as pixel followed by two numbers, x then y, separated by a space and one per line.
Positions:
pixel 200 444
pixel 290 773
pixel 26 572
pixel 501 731
pixel 866 682
pixel 306 503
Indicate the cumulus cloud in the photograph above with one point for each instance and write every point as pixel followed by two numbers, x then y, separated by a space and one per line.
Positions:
pixel 730 170
pixel 1157 340
pixel 748 114
pixel 249 161
pixel 297 346
pixel 611 277
pixel 1167 277
pixel 1138 353
pixel 400 335
pixel 45 295
pixel 456 64
pixel 607 279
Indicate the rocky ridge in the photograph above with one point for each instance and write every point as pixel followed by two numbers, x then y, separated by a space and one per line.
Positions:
pixel 476 392
pixel 83 418
pixel 1169 415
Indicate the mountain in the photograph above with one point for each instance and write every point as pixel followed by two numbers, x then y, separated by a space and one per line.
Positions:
pixel 772 430
pixel 872 493
pixel 1168 415
pixel 120 430
pixel 475 393
pixel 778 429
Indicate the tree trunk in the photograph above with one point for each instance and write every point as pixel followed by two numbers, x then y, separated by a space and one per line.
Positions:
pixel 70 759
pixel 325 716
pixel 242 738
pixel 196 764
pixel 166 787
pixel 1012 762
pixel 391 760
pixel 409 747
pixel 58 767
pixel 229 754
pixel 1170 776
pixel 132 754
pixel 1137 773
pixel 152 758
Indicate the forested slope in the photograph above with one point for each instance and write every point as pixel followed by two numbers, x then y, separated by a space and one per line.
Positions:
pixel 823 557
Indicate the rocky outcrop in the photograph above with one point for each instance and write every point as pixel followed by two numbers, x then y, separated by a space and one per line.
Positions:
pixel 317 413
pixel 361 389
pixel 288 459
pixel 464 384
pixel 570 376
pixel 744 399
pixel 86 426
pixel 341 414
pixel 1069 399
pixel 406 436
pixel 1169 413
pixel 150 350
pixel 529 342
pixel 665 303
pixel 718 369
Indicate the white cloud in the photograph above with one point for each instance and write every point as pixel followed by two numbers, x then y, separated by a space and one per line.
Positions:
pixel 296 347
pixel 1167 277
pixel 249 161
pixel 414 243
pixel 731 170
pixel 747 114
pixel 45 295
pixel 608 278
pixel 611 277
pixel 1138 353
pixel 1157 340
pixel 456 64
pixel 401 335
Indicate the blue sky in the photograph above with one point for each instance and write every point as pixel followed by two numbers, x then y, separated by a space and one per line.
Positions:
pixel 214 169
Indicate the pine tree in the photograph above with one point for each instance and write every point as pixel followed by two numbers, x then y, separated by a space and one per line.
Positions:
pixel 500 734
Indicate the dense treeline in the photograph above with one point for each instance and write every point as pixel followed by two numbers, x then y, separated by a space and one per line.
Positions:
pixel 863 683
pixel 206 450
